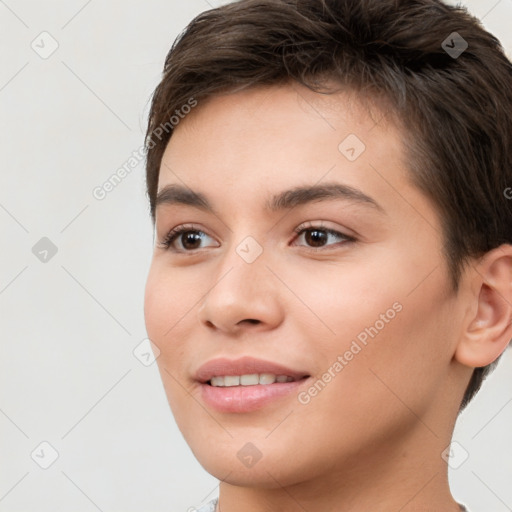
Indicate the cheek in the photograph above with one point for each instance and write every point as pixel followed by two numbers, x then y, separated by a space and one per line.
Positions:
pixel 156 303
pixel 393 331
pixel 165 312
pixel 163 308
pixel 166 302
pixel 396 347
pixel 342 301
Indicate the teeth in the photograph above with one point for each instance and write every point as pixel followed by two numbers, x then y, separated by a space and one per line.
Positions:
pixel 232 380
pixel 248 380
pixel 267 378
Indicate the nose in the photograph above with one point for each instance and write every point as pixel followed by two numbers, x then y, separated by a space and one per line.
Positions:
pixel 242 296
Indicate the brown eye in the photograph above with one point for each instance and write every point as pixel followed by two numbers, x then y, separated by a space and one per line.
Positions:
pixel 189 239
pixel 318 236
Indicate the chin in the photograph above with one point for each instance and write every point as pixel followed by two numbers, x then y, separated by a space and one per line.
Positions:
pixel 274 469
pixel 261 476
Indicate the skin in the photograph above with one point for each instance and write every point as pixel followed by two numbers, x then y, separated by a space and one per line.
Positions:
pixel 372 439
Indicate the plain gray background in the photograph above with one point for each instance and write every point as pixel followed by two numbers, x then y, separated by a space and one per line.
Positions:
pixel 71 320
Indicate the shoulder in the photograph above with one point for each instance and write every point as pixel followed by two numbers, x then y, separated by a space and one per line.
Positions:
pixel 209 507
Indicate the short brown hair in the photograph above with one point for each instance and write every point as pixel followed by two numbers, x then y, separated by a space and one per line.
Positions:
pixel 455 107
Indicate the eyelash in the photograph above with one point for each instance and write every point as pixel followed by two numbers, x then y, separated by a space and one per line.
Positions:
pixel 176 232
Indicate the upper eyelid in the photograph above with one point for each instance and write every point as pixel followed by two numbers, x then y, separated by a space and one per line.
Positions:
pixel 302 226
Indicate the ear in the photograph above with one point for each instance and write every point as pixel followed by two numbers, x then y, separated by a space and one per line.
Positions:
pixel 488 329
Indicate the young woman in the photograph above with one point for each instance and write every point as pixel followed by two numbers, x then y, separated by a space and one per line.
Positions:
pixel 332 273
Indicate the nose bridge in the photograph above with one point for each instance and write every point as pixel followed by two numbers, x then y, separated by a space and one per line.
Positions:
pixel 242 272
pixel 246 256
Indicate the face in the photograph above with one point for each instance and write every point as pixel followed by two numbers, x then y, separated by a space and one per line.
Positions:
pixel 345 285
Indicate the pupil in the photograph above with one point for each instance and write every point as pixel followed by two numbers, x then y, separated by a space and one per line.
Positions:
pixel 315 236
pixel 191 237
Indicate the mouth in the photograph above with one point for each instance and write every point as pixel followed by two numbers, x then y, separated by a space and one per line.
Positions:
pixel 247 384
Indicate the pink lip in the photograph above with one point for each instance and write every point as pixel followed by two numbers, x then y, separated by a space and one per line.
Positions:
pixel 245 398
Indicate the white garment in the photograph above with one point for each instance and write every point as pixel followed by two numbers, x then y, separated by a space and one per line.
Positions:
pixel 210 506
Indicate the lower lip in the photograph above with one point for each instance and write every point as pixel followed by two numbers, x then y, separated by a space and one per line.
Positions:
pixel 247 398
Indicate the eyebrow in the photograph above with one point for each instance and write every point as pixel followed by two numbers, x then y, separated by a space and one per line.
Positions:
pixel 179 194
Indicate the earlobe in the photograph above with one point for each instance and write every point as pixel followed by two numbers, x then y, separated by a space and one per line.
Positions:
pixel 489 330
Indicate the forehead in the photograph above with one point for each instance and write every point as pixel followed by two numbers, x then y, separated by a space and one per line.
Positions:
pixel 281 117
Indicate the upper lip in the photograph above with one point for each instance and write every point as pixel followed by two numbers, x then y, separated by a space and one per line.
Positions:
pixel 244 366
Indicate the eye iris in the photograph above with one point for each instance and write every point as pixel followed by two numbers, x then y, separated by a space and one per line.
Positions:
pixel 190 236
pixel 314 236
